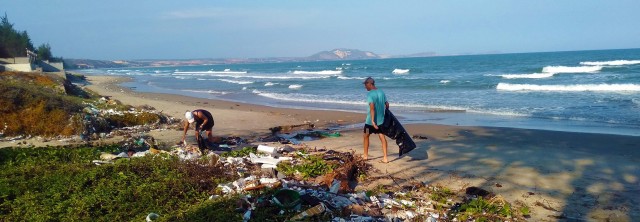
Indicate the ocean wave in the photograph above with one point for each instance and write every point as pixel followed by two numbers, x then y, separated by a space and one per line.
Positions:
pixel 213 72
pixel 252 76
pixel 236 82
pixel 445 81
pixel 269 84
pixel 345 77
pixel 612 63
pixel 323 72
pixel 304 98
pixel 400 71
pixel 570 88
pixel 571 69
pixel 527 76
pixel 206 91
pixel 295 86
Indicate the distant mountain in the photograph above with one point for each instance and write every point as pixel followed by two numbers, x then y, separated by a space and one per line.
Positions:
pixel 335 54
pixel 343 54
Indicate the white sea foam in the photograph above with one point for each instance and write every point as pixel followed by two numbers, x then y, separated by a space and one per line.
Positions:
pixel 445 81
pixel 226 71
pixel 206 91
pixel 304 98
pixel 269 84
pixel 236 82
pixel 400 71
pixel 571 69
pixel 295 86
pixel 527 76
pixel 251 76
pixel 345 77
pixel 323 72
pixel 570 88
pixel 612 63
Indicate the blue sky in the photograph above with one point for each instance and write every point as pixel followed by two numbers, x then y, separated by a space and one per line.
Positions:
pixel 148 29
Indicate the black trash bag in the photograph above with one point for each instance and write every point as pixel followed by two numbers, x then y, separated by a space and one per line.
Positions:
pixel 392 128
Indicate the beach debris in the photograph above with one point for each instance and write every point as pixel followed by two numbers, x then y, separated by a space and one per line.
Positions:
pixel 327 195
pixel 320 208
pixel 420 137
pixel 287 128
pixel 152 217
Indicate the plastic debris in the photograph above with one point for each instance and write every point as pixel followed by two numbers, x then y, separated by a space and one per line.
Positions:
pixel 152 217
pixel 310 212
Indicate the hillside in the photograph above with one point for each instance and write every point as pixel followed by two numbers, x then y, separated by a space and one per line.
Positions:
pixel 343 54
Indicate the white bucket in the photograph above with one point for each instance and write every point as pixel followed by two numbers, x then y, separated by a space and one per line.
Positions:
pixel 267 149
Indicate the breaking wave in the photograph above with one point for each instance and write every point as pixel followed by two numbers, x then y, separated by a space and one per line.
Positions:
pixel 323 72
pixel 226 71
pixel 236 82
pixel 571 69
pixel 295 86
pixel 206 91
pixel 344 77
pixel 297 97
pixel 527 76
pixel 570 88
pixel 400 71
pixel 612 63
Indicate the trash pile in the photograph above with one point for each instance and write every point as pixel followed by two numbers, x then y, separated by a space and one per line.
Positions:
pixel 291 181
pixel 330 196
pixel 106 118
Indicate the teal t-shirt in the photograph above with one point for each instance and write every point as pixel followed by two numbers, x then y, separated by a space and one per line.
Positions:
pixel 378 98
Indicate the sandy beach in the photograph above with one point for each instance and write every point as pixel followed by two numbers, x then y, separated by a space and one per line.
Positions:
pixel 560 175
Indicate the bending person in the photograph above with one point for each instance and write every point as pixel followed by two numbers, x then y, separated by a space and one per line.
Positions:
pixel 203 121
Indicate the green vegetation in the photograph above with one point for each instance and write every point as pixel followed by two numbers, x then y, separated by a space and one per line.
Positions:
pixel 61 184
pixel 240 153
pixel 311 166
pixel 481 209
pixel 14 43
pixel 46 105
pixel 35 104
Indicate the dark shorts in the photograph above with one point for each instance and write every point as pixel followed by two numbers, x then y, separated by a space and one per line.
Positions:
pixel 207 127
pixel 368 129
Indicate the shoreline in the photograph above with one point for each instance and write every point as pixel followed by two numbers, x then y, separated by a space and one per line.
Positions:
pixel 414 116
pixel 559 175
pixel 587 176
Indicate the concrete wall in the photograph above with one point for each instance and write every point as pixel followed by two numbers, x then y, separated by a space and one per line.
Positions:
pixel 16 60
pixel 51 66
pixel 18 67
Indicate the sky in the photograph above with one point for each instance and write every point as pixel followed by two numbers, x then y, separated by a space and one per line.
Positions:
pixel 190 29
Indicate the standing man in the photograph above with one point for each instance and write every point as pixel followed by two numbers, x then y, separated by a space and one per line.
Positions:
pixel 203 120
pixel 377 104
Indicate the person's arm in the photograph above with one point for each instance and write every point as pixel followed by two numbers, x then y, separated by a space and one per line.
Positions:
pixel 373 115
pixel 386 104
pixel 186 128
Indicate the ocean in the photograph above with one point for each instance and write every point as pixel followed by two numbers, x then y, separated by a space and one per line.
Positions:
pixel 578 91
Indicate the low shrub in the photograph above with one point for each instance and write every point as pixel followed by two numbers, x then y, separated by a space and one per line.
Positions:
pixel 61 184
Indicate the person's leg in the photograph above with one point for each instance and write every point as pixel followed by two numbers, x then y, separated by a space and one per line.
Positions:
pixel 365 156
pixel 210 135
pixel 383 140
